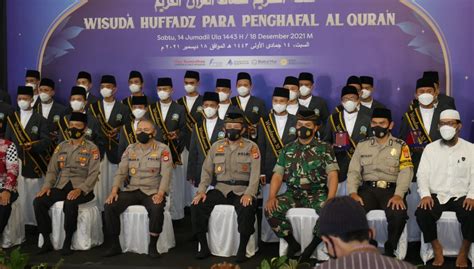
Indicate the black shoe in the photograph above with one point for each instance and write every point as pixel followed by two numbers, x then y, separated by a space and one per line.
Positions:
pixel 241 258
pixel 66 251
pixel 388 250
pixel 152 251
pixel 113 251
pixel 204 252
pixel 293 246
pixel 47 246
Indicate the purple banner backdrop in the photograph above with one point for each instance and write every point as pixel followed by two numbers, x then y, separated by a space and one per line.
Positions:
pixel 393 41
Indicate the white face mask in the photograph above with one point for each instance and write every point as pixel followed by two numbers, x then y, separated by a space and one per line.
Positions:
pixel 83 86
pixel 77 105
pixel 223 96
pixel 106 92
pixel 365 94
pixel 425 99
pixel 243 91
pixel 24 105
pixel 44 97
pixel 279 108
pixel 304 90
pixel 293 95
pixel 31 85
pixel 349 106
pixel 138 113
pixel 163 95
pixel 210 112
pixel 189 88
pixel 447 132
pixel 134 88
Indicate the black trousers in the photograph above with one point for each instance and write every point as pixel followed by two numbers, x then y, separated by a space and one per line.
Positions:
pixel 71 209
pixel 6 210
pixel 201 212
pixel 427 218
pixel 127 198
pixel 377 198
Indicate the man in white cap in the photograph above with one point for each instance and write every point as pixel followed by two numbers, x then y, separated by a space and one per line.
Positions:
pixel 446 183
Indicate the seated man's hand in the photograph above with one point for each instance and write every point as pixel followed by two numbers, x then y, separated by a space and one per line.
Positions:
pixel 5 198
pixel 426 203
pixel 357 198
pixel 72 195
pixel 158 198
pixel 113 196
pixel 198 198
pixel 468 204
pixel 396 203
pixel 43 191
pixel 263 180
pixel 271 205
pixel 246 200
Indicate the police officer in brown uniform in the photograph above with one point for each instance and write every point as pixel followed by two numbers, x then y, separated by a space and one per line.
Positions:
pixel 72 173
pixel 380 174
pixel 147 165
pixel 236 163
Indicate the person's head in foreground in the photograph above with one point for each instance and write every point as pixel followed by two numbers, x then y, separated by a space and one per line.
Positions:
pixel 345 231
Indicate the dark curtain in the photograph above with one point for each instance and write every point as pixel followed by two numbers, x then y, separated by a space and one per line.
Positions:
pixel 3 45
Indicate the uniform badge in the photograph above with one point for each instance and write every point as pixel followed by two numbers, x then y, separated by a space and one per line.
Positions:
pixel 245 167
pixel 82 161
pixel 165 155
pixel 175 117
pixel 2 116
pixel 199 109
pixel 56 118
pixel 219 169
pixel 221 135
pixel 88 132
pixel 363 130
pixel 220 148
pixel 133 171
pixel 255 109
pixel 95 154
pixel 292 130
pixel 34 129
pixel 84 151
pixel 61 165
pixel 255 153
pixel 61 158
pixel 118 117
pixel 316 111
pixel 393 152
pixel 154 154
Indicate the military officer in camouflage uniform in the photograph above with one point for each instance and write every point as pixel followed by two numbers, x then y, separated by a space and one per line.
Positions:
pixel 235 161
pixel 72 174
pixel 380 174
pixel 309 168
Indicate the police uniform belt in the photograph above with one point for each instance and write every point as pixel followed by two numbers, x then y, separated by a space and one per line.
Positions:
pixel 381 184
pixel 235 182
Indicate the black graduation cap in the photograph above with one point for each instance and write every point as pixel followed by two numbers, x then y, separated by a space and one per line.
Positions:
pixel 349 90
pixel 77 90
pixel 290 80
pixel 192 74
pixel 32 74
pixel 367 80
pixel 84 74
pixel 424 82
pixel 244 75
pixel 308 115
pixel 306 76
pixel 380 112
pixel 353 80
pixel 433 75
pixel 234 117
pixel 139 100
pixel 26 90
pixel 135 74
pixel 108 79
pixel 211 96
pixel 47 82
pixel 78 116
pixel 281 92
pixel 164 82
pixel 223 82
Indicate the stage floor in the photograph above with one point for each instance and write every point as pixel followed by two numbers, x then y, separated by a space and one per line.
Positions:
pixel 182 256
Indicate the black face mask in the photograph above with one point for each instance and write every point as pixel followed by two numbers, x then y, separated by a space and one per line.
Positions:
pixel 233 134
pixel 304 132
pixel 76 133
pixel 380 132
pixel 144 137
